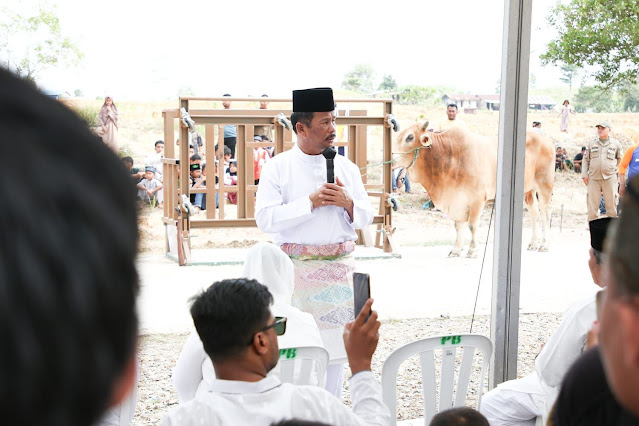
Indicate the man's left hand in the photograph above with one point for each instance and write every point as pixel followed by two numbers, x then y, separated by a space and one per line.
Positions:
pixel 334 194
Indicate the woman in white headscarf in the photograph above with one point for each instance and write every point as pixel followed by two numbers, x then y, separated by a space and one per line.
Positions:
pixel 108 124
pixel 267 264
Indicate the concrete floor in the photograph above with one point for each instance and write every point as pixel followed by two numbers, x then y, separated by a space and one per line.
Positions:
pixel 422 283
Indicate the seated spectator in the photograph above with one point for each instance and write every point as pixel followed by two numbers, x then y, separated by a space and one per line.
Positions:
pixel 567 160
pixel 579 159
pixel 260 156
pixel 269 149
pixel 195 159
pixel 150 189
pixel 459 416
pixel 136 173
pixel 602 387
pixel 68 276
pixel 198 180
pixel 155 160
pixel 230 179
pixel 536 126
pixel 239 334
pixel 266 263
pixel 523 400
pixel 191 150
pixel 400 178
pixel 560 160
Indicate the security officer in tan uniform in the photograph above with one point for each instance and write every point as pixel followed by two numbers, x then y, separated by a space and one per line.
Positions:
pixel 599 171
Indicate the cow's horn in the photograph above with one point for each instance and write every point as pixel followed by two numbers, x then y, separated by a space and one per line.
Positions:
pixel 425 125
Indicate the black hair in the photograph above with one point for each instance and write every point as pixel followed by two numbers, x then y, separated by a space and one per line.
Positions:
pixel 265 138
pixel 158 142
pixel 195 157
pixel 127 160
pixel 226 94
pixel 583 148
pixel 228 314
pixel 459 416
pixel 295 422
pixel 227 150
pixel 265 95
pixel 622 243
pixel 68 282
pixel 203 166
pixel 301 117
pixel 452 105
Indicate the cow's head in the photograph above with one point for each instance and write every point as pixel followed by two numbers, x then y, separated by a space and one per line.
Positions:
pixel 411 139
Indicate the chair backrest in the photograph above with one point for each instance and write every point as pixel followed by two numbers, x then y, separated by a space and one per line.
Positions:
pixel 303 366
pixel 425 349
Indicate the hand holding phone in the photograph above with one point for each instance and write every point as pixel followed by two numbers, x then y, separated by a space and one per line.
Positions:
pixel 361 291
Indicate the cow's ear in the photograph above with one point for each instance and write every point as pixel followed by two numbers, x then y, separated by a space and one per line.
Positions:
pixel 425 140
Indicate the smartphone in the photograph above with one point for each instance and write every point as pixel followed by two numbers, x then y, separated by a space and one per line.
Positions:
pixel 361 291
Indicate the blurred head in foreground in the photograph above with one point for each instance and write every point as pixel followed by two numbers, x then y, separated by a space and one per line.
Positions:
pixel 459 416
pixel 619 335
pixel 68 283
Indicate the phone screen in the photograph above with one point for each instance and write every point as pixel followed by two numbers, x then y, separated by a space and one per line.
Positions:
pixel 361 290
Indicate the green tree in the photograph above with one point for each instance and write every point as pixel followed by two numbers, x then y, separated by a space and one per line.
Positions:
pixel 417 95
pixel 569 74
pixel 388 83
pixel 602 34
pixel 360 79
pixel 31 44
pixel 598 99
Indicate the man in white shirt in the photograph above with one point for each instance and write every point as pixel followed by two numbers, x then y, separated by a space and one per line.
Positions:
pixel 239 333
pixel 314 221
pixel 520 402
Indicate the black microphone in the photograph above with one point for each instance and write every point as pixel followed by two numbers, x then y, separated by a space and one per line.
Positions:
pixel 329 153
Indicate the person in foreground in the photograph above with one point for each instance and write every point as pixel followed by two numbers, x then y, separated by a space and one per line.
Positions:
pixel 68 282
pixel 602 387
pixel 267 264
pixel 459 416
pixel 521 401
pixel 239 333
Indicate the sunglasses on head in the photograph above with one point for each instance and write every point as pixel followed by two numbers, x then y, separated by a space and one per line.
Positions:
pixel 279 326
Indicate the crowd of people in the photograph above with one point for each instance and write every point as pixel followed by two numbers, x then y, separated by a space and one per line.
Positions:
pixel 69 285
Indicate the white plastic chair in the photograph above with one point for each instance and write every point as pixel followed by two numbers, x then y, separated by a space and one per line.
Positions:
pixel 425 348
pixel 303 366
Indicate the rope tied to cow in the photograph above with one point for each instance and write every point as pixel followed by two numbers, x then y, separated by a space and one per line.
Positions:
pixel 415 152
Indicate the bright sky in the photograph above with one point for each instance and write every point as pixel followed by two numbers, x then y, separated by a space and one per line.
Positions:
pixel 142 49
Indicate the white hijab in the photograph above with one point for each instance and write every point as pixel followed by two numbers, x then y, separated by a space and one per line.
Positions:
pixel 269 265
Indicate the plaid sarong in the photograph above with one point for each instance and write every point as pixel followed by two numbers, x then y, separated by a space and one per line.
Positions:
pixel 324 288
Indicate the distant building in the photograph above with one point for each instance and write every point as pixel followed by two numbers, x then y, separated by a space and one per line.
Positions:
pixel 466 103
pixel 541 103
pixel 489 102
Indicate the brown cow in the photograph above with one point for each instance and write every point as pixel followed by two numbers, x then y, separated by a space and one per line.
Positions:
pixel 459 171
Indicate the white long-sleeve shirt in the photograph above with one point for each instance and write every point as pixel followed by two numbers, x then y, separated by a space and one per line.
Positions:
pixel 267 401
pixel 562 349
pixel 283 207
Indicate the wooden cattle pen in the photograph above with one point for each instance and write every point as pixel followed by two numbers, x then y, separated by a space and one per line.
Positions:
pixel 178 223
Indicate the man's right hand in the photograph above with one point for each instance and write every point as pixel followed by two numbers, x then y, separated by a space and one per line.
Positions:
pixel 360 339
pixel 315 198
pixel 586 180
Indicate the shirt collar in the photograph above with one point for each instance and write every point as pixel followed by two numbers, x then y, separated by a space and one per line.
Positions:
pixel 237 387
pixel 310 159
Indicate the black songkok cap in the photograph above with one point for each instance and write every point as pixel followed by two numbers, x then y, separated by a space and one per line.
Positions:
pixel 194 167
pixel 319 99
pixel 598 230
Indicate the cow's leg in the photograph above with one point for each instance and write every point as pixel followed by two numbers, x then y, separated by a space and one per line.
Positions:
pixel 544 207
pixel 530 198
pixel 459 242
pixel 473 224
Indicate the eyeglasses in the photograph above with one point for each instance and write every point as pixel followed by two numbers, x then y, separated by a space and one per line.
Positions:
pixel 279 325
